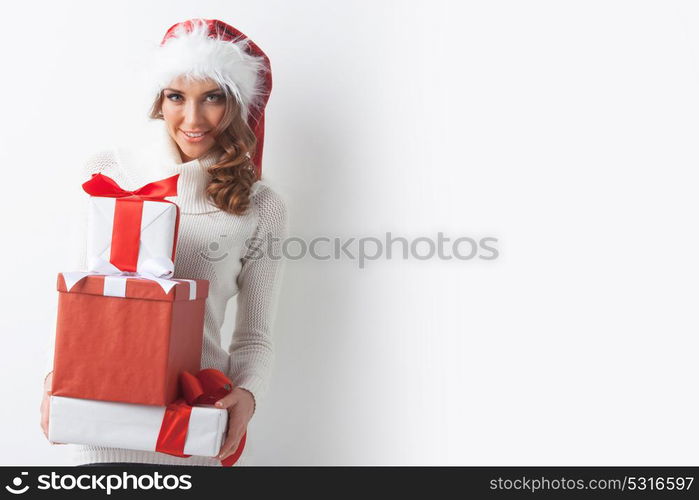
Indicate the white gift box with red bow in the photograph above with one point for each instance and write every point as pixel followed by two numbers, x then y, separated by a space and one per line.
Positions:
pixel 131 231
pixel 156 244
pixel 131 426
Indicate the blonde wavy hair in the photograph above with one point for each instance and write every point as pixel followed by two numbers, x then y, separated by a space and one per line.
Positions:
pixel 233 175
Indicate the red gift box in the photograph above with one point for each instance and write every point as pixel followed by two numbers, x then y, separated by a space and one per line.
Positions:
pixel 128 348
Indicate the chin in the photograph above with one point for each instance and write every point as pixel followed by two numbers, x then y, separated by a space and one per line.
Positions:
pixel 194 151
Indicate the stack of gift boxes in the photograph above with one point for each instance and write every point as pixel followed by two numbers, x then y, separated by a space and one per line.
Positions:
pixel 129 337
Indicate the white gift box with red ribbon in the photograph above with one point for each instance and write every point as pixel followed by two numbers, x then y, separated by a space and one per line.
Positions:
pixel 131 231
pixel 131 426
pixel 156 245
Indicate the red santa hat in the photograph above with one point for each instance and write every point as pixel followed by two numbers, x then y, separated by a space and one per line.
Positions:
pixel 209 48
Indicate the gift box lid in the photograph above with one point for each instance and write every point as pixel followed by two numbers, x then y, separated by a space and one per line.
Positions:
pixel 138 288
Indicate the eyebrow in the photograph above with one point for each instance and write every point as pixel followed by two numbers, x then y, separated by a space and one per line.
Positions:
pixel 207 92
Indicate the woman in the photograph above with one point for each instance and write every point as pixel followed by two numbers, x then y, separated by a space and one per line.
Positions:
pixel 212 84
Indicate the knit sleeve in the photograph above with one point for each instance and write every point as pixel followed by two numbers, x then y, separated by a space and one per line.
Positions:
pixel 102 161
pixel 252 349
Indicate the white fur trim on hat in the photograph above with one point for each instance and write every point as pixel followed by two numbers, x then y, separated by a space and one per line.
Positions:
pixel 196 54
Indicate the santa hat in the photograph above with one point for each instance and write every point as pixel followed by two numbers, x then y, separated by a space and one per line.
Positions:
pixel 209 48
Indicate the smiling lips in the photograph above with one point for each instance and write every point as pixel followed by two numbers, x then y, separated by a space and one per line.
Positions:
pixel 194 136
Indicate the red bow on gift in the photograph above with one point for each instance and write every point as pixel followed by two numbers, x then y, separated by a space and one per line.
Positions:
pixel 207 387
pixel 101 185
pixel 126 229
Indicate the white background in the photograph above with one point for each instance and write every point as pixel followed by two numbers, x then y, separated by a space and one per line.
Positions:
pixel 568 130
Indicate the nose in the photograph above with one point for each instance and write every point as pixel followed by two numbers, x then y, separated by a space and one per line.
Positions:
pixel 193 116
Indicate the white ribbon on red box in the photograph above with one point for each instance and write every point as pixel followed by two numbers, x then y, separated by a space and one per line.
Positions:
pixel 115 280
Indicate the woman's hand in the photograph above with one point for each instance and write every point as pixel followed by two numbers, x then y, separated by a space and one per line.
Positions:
pixel 45 405
pixel 241 405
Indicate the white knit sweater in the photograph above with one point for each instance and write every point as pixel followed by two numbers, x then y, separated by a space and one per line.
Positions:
pixel 211 245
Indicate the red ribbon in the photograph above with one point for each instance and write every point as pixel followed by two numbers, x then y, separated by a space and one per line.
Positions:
pixel 126 228
pixel 207 387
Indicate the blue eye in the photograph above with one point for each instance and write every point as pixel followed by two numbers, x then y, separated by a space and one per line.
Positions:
pixel 177 97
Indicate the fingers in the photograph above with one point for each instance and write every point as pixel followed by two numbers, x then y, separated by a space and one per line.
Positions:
pixel 45 416
pixel 236 429
pixel 232 442
pixel 227 401
pixel 240 404
pixel 45 425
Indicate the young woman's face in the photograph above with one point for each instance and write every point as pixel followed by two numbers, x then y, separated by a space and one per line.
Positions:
pixel 190 109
